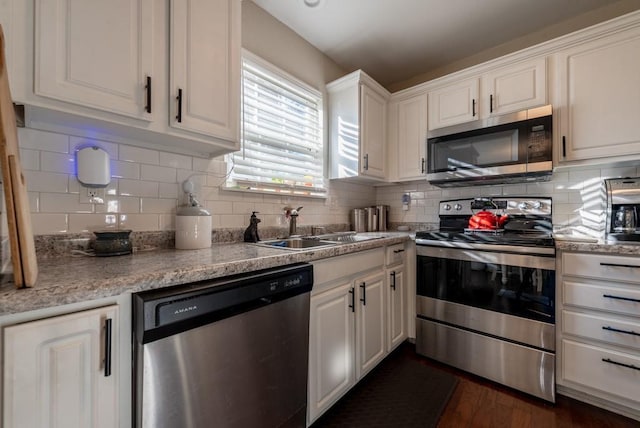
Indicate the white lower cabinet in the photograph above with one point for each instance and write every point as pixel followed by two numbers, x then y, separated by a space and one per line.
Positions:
pixel 358 316
pixel 598 321
pixel 62 371
pixel 397 296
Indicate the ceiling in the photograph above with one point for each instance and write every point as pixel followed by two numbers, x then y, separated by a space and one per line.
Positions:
pixel 395 40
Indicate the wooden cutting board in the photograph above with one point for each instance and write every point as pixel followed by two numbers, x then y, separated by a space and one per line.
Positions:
pixel 23 252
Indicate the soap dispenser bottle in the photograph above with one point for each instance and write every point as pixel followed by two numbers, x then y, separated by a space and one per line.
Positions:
pixel 251 233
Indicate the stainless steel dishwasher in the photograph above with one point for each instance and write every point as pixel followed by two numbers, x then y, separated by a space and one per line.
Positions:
pixel 224 353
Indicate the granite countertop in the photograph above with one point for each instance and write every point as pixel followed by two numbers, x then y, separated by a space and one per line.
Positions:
pixel 76 279
pixel 586 245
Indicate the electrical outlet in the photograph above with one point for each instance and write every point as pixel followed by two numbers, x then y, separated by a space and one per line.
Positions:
pixel 93 196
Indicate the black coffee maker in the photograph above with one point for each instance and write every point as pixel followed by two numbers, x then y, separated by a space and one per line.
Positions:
pixel 623 207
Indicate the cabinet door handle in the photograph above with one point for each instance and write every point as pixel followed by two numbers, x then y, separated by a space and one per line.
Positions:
pixel 147 107
pixel 491 103
pixel 398 251
pixel 618 265
pixel 366 162
pixel 352 291
pixel 179 98
pixel 393 280
pixel 629 366
pixel 364 294
pixel 621 298
pixel 473 107
pixel 564 146
pixel 107 347
pixel 631 332
pixel 422 166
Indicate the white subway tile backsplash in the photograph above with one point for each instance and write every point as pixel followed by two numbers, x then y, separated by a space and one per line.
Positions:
pixel 139 155
pixel 119 204
pixel 30 159
pixel 121 169
pixel 34 202
pixel 41 140
pixel 58 162
pixel 45 223
pixel 63 203
pixel 167 222
pixel 148 222
pixel 38 181
pixel 161 174
pixel 138 188
pixel 169 190
pixel 157 206
pixel 176 161
pixel 92 222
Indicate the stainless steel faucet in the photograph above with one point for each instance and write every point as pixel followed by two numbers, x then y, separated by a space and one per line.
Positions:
pixel 292 213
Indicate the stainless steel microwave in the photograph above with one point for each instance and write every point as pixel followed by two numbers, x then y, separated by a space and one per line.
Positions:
pixel 512 148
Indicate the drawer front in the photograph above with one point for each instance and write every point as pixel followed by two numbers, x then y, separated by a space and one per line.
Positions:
pixel 328 270
pixel 605 329
pixel 613 299
pixel 583 364
pixel 611 268
pixel 395 254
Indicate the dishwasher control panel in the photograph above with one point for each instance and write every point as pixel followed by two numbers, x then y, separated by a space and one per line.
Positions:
pixel 191 305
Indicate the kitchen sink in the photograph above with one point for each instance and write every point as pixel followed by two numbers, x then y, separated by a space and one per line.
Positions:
pixel 345 237
pixel 296 243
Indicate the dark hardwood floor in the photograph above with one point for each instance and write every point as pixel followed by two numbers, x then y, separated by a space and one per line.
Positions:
pixel 477 402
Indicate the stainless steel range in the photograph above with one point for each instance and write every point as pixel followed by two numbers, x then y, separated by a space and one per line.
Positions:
pixel 486 291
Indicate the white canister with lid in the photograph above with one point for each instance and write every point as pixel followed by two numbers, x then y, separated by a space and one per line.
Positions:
pixel 193 228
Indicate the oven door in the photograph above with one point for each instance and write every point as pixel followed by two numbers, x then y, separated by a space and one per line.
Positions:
pixel 506 295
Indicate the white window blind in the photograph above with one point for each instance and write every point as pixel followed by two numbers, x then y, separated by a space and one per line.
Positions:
pixel 282 144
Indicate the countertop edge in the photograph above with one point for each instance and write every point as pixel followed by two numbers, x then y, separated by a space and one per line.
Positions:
pixel 74 280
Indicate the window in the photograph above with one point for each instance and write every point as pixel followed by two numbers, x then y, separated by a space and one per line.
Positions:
pixel 282 144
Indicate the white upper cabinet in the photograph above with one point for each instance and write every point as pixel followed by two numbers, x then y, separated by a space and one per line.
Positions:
pixel 453 104
pixel 140 72
pixel 407 138
pixel 97 54
pixel 358 126
pixel 515 87
pixel 504 89
pixel 204 67
pixel 599 98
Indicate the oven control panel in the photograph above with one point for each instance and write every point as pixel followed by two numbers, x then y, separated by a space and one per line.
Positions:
pixel 538 206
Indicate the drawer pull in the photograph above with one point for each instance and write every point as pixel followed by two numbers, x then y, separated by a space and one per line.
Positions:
pixel 631 332
pixel 621 298
pixel 398 251
pixel 629 366
pixel 617 265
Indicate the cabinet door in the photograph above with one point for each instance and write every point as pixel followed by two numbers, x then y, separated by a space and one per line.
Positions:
pixel 396 307
pixel 373 121
pixel 205 67
pixel 412 134
pixel 599 84
pixel 54 371
pixel 454 104
pixel 331 348
pixel 95 53
pixel 515 87
pixel 370 322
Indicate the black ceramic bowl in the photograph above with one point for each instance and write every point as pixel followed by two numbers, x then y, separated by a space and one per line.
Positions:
pixel 112 243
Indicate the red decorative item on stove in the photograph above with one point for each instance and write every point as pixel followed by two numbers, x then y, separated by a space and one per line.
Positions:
pixel 487 220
